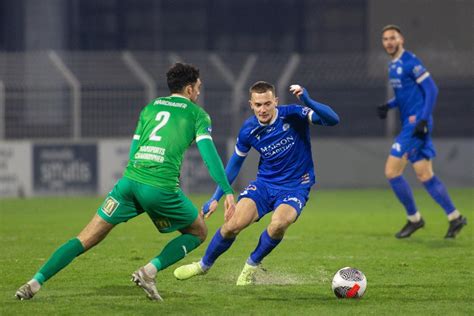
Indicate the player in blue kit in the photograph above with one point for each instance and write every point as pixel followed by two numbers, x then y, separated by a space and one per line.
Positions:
pixel 285 175
pixel 415 96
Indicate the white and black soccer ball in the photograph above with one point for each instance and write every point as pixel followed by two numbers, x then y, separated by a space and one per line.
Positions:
pixel 349 283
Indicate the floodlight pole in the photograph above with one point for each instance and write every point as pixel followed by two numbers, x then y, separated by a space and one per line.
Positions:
pixel 284 81
pixel 141 74
pixel 76 92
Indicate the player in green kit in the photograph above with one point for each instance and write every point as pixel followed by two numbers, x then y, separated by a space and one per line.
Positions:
pixel 150 184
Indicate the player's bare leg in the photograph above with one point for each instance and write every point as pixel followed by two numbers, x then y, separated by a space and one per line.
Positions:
pixel 439 193
pixel 245 214
pixel 394 168
pixel 90 236
pixel 282 218
pixel 175 250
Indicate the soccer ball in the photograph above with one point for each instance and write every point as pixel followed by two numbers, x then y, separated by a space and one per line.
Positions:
pixel 349 283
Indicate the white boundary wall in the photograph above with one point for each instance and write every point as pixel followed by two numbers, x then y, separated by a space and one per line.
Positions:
pixel 92 167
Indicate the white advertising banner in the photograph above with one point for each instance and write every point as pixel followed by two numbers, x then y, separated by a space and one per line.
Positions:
pixel 113 157
pixel 15 169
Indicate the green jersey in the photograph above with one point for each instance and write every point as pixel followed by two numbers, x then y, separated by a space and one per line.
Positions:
pixel 165 130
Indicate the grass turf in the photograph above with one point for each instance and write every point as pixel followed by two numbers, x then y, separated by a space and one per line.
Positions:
pixel 424 274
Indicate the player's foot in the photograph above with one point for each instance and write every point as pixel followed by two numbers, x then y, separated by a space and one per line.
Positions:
pixel 247 276
pixel 24 292
pixel 188 271
pixel 410 228
pixel 455 226
pixel 147 283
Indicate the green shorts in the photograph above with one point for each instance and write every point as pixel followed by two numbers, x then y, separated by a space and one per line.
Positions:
pixel 169 211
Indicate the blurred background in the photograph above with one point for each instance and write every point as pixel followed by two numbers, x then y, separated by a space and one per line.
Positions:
pixel 74 75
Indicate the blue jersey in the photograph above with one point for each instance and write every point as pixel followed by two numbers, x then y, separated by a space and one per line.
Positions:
pixel 405 74
pixel 284 146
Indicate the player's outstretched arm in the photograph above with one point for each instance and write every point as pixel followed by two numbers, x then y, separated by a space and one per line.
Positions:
pixel 213 162
pixel 232 170
pixel 322 114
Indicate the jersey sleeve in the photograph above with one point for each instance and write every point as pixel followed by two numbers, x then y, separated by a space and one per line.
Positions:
pixel 139 128
pixel 242 147
pixel 304 113
pixel 203 126
pixel 417 70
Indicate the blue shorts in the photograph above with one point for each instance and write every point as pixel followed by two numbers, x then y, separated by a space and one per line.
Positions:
pixel 268 199
pixel 414 148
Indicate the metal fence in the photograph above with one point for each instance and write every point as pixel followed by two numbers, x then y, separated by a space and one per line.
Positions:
pixel 77 94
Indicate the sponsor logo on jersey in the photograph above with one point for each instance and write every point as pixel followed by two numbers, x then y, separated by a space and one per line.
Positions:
pixel 270 129
pixel 396 83
pixel 153 153
pixel 110 205
pixel 397 147
pixel 294 199
pixel 278 147
pixel 305 111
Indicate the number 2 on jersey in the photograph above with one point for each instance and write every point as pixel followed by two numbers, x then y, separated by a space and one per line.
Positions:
pixel 162 118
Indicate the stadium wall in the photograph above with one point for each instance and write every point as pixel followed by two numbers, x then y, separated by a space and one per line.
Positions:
pixel 92 167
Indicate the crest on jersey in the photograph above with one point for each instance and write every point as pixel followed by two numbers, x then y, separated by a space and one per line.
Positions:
pixel 399 70
pixel 286 126
pixel 418 70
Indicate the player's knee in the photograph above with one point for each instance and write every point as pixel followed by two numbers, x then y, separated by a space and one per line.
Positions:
pixel 278 227
pixel 391 173
pixel 230 230
pixel 424 176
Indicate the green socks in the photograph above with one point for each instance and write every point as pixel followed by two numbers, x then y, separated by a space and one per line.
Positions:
pixel 175 250
pixel 59 259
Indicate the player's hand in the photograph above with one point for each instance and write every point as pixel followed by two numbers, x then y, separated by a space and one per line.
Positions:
pixel 297 90
pixel 229 206
pixel 382 111
pixel 421 129
pixel 209 207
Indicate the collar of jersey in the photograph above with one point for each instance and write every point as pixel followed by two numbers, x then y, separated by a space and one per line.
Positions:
pixel 178 96
pixel 400 57
pixel 271 122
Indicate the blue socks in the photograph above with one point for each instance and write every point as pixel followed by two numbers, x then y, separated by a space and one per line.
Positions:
pixel 404 194
pixel 438 192
pixel 265 245
pixel 217 247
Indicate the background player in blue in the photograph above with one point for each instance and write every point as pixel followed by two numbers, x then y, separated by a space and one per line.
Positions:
pixel 415 96
pixel 285 175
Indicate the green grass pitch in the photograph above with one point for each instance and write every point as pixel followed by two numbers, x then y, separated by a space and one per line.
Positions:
pixel 422 275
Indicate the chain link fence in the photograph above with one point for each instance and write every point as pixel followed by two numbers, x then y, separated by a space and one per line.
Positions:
pixel 87 95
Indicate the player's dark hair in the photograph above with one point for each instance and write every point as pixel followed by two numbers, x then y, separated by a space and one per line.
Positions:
pixel 261 87
pixel 392 27
pixel 180 75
